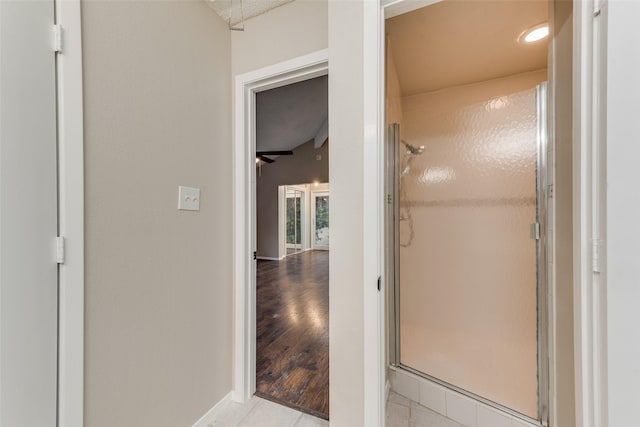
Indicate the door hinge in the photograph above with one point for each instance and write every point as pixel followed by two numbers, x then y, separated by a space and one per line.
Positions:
pixel 550 190
pixel 597 8
pixel 255 255
pixel 60 247
pixel 389 199
pixel 57 38
pixel 535 231
pixel 379 283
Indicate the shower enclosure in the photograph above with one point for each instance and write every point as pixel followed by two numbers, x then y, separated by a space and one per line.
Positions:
pixel 466 220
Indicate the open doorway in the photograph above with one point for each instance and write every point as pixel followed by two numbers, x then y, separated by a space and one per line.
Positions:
pixel 292 241
pixel 467 150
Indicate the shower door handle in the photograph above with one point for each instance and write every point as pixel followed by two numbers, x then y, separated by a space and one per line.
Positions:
pixel 535 231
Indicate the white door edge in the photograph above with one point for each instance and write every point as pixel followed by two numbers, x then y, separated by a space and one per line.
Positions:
pixel 71 216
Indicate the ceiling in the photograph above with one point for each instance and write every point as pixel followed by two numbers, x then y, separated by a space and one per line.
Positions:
pixel 456 42
pixel 239 9
pixel 291 115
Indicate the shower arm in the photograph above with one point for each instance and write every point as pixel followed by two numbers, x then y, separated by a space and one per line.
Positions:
pixel 412 149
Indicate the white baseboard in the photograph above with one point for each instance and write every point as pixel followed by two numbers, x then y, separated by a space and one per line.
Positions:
pixel 268 258
pixel 211 414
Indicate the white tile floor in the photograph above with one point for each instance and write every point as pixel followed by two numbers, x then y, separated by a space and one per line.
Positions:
pixel 263 413
pixel 401 412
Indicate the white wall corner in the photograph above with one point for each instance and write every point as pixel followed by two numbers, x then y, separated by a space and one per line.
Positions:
pixel 212 413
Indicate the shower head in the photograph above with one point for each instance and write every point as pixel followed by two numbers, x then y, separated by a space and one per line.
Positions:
pixel 412 152
pixel 416 151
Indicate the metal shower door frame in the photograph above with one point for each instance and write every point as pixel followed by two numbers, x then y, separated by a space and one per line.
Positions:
pixel 393 238
pixel 542 196
pixel 542 280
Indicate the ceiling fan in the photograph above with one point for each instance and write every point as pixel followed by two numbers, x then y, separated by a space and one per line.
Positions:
pixel 261 155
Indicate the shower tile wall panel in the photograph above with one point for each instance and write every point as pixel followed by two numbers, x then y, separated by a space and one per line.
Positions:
pixel 468 277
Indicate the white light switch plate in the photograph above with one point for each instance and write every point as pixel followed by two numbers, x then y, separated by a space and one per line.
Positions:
pixel 188 199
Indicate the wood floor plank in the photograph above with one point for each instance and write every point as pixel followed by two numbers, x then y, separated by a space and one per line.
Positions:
pixel 292 330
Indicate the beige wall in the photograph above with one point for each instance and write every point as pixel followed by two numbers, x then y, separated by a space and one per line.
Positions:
pixel 300 168
pixel 158 280
pixel 346 287
pixel 564 404
pixel 289 31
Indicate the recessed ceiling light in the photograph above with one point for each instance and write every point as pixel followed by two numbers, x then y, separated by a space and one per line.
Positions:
pixel 534 34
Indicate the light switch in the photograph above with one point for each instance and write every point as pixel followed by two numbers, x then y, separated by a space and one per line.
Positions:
pixel 188 199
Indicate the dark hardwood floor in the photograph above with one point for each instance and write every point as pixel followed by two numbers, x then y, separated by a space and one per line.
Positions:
pixel 292 349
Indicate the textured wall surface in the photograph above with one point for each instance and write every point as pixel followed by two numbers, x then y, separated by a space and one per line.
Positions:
pixel 468 288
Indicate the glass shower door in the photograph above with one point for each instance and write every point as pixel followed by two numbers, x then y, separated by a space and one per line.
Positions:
pixel 469 301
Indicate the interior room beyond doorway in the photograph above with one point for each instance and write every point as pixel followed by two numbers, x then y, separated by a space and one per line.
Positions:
pixel 292 243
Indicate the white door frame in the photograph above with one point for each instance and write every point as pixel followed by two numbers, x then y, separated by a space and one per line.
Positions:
pixel 246 86
pixel 589 207
pixel 71 216
pixel 589 187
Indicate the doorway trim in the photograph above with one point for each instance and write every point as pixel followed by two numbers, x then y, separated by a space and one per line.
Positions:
pixel 244 227
pixel 71 215
pixel 589 212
